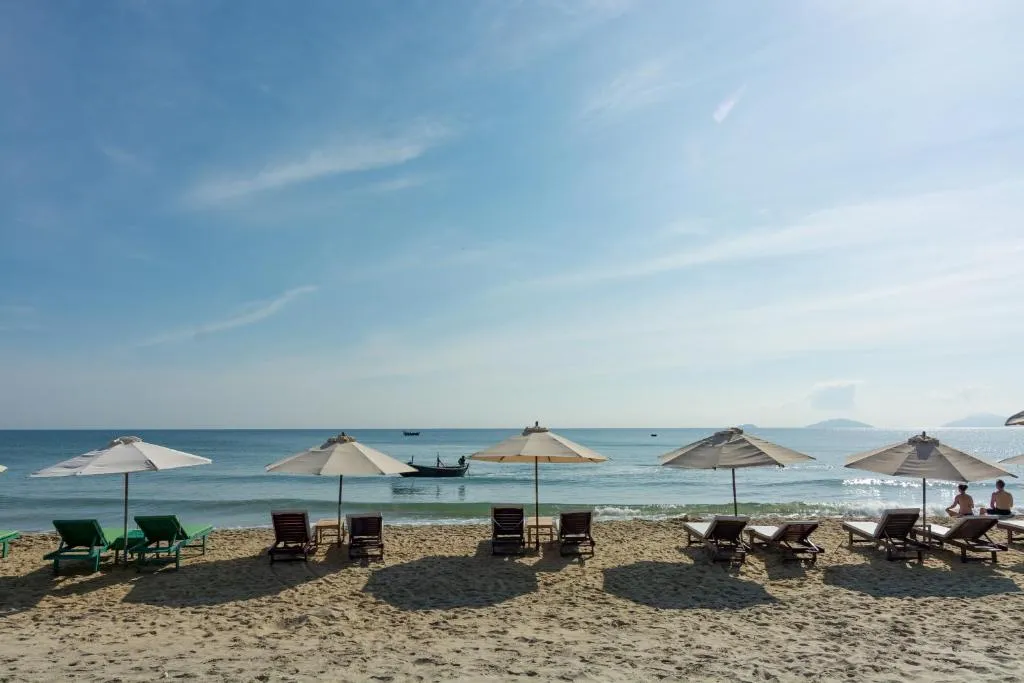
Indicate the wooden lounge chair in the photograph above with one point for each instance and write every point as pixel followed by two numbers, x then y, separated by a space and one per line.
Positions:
pixel 722 538
pixel 508 530
pixel 292 537
pixel 574 533
pixel 165 537
pixel 970 534
pixel 1011 527
pixel 365 536
pixel 5 538
pixel 892 531
pixel 792 539
pixel 85 539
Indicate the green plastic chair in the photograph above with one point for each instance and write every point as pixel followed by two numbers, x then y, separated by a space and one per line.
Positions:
pixel 85 539
pixel 5 538
pixel 165 537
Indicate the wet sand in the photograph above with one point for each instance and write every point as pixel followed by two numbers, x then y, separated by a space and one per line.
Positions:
pixel 440 607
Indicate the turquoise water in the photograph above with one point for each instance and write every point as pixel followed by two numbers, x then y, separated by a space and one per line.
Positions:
pixel 234 491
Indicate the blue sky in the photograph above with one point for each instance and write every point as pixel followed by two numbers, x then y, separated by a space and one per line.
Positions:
pixel 588 212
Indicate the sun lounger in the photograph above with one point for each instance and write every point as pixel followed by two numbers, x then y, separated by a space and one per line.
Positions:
pixel 365 536
pixel 574 533
pixel 5 538
pixel 970 534
pixel 165 537
pixel 892 531
pixel 292 537
pixel 722 538
pixel 1011 527
pixel 792 539
pixel 508 530
pixel 85 539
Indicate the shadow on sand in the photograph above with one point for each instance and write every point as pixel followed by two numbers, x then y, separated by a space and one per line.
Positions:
pixel 447 582
pixel 670 585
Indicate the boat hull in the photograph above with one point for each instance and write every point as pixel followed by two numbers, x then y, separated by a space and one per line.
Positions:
pixel 428 471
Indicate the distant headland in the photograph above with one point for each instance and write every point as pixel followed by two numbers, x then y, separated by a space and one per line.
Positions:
pixel 839 423
pixel 978 420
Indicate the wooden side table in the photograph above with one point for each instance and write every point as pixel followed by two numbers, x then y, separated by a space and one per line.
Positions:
pixel 325 529
pixel 535 528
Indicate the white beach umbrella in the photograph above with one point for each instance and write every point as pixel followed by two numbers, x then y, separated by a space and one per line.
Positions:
pixel 123 455
pixel 536 444
pixel 2 469
pixel 340 456
pixel 925 457
pixel 731 449
pixel 1015 419
pixel 1015 460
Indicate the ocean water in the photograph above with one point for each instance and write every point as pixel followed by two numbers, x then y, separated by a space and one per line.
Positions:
pixel 236 492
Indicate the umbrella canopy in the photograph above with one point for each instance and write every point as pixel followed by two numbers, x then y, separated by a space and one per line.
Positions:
pixel 925 457
pixel 1015 460
pixel 731 449
pixel 123 455
pixel 537 444
pixel 1015 419
pixel 340 456
pixel 2 469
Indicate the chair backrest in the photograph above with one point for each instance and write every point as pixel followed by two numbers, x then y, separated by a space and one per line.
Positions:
pixel 79 533
pixel 796 532
pixel 971 528
pixel 366 526
pixel 898 523
pixel 508 519
pixel 291 526
pixel 575 523
pixel 164 528
pixel 726 527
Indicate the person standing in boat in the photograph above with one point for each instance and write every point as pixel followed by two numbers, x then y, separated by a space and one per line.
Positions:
pixel 462 461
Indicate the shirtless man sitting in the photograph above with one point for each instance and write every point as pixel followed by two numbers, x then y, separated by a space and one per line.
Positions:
pixel 963 504
pixel 1002 500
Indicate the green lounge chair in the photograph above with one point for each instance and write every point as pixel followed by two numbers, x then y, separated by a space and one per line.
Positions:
pixel 164 537
pixel 5 538
pixel 85 539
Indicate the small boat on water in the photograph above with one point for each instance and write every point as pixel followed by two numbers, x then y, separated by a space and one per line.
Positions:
pixel 410 433
pixel 438 470
pixel 653 434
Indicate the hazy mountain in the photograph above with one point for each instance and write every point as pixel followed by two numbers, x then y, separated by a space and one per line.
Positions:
pixel 839 423
pixel 978 420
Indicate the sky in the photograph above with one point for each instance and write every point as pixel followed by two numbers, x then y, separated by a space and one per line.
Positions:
pixel 484 213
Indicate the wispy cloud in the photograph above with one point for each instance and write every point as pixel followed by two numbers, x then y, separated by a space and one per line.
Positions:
pixel 349 156
pixel 251 314
pixel 834 395
pixel 726 106
pixel 642 86
pixel 121 156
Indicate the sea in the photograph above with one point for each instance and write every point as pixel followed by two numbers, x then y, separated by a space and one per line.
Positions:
pixel 235 491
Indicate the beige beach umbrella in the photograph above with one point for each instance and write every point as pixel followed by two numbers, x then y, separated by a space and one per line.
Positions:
pixel 340 456
pixel 123 455
pixel 925 457
pixel 1015 419
pixel 731 449
pixel 1015 460
pixel 537 444
pixel 2 469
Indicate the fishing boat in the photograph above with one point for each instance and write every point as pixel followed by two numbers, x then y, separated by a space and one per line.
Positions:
pixel 410 433
pixel 439 469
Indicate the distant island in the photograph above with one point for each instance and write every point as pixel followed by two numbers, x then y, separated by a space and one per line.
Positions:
pixel 839 423
pixel 978 420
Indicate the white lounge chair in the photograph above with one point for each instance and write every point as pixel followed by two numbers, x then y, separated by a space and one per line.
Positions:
pixel 722 537
pixel 970 534
pixel 793 539
pixel 1011 527
pixel 892 532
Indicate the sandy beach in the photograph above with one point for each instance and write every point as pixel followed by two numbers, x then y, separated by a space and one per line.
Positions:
pixel 440 607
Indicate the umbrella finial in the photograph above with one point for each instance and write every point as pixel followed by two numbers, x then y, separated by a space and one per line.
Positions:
pixel 340 438
pixel 123 441
pixel 535 429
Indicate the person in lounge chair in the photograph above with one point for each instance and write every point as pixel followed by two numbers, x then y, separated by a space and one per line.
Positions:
pixel 1002 500
pixel 963 504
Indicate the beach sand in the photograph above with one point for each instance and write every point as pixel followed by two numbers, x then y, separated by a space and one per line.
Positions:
pixel 440 607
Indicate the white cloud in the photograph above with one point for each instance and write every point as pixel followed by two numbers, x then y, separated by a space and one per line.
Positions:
pixel 834 395
pixel 725 107
pixel 349 156
pixel 642 86
pixel 251 314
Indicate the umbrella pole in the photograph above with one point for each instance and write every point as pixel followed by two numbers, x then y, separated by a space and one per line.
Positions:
pixel 924 503
pixel 536 498
pixel 341 479
pixel 735 507
pixel 125 537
